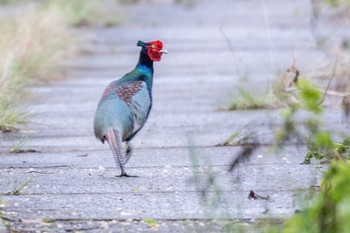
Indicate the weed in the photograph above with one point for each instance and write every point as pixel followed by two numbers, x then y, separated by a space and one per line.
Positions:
pixel 12 116
pixel 248 100
pixel 16 148
pixel 237 138
pixel 18 189
pixel 319 142
pixel 150 222
pixel 329 210
pixel 322 146
pixel 275 96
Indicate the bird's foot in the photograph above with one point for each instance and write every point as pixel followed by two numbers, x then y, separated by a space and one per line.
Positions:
pixel 125 175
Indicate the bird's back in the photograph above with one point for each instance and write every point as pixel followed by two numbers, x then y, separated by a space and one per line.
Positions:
pixel 124 106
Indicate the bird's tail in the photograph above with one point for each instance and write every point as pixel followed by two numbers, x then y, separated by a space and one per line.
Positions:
pixel 115 144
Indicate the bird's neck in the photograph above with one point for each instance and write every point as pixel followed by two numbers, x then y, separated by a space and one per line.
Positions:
pixel 145 61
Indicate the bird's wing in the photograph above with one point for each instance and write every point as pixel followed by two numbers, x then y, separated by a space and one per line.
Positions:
pixel 126 91
pixel 138 98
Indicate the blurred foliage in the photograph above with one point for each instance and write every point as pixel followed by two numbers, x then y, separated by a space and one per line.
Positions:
pixel 30 46
pixel 319 142
pixel 329 211
pixel 338 2
pixel 77 12
pixel 8 1
pixel 310 96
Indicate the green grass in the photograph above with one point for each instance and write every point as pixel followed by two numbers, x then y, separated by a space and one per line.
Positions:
pixel 12 117
pixel 247 99
pixel 17 190
pixel 237 138
pixel 17 146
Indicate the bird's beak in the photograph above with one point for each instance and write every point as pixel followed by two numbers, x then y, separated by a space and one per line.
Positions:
pixel 164 51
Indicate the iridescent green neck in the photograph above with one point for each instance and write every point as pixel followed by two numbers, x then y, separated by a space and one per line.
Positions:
pixel 144 60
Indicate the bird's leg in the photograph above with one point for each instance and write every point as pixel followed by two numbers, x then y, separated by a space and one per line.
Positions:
pixel 129 150
pixel 114 141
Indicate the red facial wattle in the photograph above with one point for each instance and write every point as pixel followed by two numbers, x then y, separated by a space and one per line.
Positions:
pixel 154 50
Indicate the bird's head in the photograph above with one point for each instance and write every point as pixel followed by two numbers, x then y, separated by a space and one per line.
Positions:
pixel 153 49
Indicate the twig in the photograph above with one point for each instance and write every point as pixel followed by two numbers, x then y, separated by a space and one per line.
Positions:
pixel 243 155
pixel 228 42
pixel 330 80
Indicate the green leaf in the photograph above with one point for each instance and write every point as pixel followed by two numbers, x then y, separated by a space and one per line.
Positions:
pixel 323 140
pixel 149 221
pixel 307 159
pixel 310 95
pixel 346 141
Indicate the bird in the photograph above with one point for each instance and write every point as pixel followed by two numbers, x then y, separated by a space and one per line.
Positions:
pixel 126 103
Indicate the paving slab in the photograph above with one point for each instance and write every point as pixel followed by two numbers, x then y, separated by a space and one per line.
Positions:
pixel 68 183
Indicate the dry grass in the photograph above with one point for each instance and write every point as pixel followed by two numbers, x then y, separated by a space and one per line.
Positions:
pixel 33 43
pixel 77 12
pixel 30 46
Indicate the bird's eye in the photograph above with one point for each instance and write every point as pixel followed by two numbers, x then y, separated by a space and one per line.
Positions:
pixel 153 46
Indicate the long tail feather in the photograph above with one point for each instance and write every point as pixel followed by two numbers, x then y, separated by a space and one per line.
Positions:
pixel 115 144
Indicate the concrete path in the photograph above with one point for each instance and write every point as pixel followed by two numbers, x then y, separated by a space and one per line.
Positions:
pixel 70 180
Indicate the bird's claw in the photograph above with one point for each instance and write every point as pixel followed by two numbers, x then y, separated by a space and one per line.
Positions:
pixel 125 175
